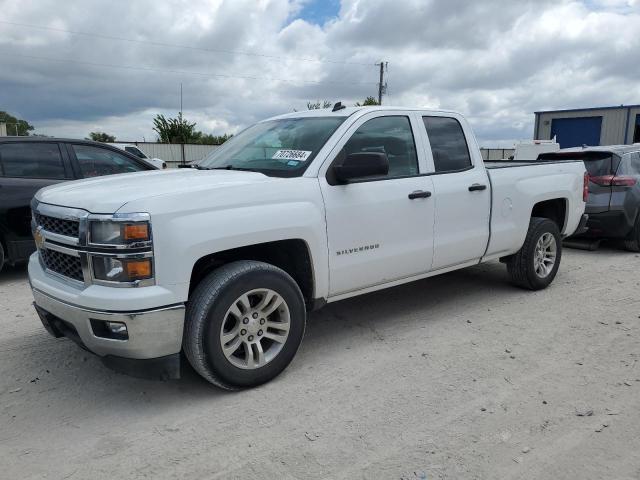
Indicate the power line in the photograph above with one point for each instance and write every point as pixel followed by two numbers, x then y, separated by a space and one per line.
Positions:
pixel 179 72
pixel 174 45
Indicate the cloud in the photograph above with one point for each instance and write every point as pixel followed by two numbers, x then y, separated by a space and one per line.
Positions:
pixel 495 61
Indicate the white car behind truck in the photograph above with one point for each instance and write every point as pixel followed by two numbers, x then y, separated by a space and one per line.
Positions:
pixel 222 262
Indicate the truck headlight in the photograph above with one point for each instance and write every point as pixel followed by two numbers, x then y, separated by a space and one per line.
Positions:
pixel 119 233
pixel 114 269
pixel 120 250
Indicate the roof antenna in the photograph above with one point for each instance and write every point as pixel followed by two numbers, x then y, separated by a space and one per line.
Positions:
pixel 338 106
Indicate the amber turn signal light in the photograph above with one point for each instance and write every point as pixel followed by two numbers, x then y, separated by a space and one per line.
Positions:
pixel 136 232
pixel 138 269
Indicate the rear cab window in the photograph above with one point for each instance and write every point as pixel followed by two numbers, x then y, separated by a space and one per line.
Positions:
pixel 32 160
pixel 448 144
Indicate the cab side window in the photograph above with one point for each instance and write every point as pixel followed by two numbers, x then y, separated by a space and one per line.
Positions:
pixel 391 135
pixel 96 161
pixel 31 160
pixel 448 144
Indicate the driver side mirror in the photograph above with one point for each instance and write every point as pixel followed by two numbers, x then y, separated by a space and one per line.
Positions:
pixel 362 164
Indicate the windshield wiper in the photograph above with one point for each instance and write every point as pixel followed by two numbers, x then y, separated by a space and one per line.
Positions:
pixel 237 169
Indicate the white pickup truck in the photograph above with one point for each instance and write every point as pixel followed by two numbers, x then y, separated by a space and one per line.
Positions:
pixel 222 262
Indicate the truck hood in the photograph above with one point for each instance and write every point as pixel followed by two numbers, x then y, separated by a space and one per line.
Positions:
pixel 110 193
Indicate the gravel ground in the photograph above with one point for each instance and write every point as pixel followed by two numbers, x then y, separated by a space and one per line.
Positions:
pixel 459 376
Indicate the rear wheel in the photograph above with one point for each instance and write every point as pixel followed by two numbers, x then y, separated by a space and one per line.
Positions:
pixel 633 243
pixel 535 265
pixel 244 324
pixel 1 256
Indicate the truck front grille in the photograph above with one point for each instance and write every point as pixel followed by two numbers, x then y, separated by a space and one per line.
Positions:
pixel 62 264
pixel 68 228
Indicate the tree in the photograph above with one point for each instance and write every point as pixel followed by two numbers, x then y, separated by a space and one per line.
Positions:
pixel 101 137
pixel 317 105
pixel 209 139
pixel 369 101
pixel 173 130
pixel 179 130
pixel 15 126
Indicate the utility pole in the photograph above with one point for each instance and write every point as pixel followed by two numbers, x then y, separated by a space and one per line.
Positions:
pixel 382 87
pixel 184 160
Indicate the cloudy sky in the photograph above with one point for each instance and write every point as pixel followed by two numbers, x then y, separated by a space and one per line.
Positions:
pixel 84 65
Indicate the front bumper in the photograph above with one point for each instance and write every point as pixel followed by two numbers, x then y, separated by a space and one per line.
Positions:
pixel 151 351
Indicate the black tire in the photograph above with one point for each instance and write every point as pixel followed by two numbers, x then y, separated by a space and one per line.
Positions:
pixel 206 312
pixel 633 242
pixel 521 265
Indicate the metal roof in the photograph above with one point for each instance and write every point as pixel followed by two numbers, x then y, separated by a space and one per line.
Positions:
pixel 26 138
pixel 590 109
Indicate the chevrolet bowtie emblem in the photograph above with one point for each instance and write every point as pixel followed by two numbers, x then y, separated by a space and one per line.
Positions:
pixel 39 238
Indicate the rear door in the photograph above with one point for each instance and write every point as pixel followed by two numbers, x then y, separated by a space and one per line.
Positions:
pixel 26 167
pixel 461 190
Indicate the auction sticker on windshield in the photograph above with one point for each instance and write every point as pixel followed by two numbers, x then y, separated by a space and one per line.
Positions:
pixel 300 155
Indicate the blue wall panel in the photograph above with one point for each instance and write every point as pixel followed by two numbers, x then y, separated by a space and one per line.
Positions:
pixel 575 132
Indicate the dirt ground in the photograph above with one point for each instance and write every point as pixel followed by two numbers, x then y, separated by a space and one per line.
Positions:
pixel 458 376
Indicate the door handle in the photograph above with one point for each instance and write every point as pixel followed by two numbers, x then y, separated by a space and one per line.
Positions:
pixel 419 194
pixel 476 187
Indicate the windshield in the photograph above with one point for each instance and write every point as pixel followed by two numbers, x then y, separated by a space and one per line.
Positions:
pixel 279 148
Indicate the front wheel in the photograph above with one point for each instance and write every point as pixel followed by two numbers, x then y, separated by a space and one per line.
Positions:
pixel 1 256
pixel 244 323
pixel 535 265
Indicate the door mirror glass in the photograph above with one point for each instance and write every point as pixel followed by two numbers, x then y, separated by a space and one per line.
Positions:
pixel 362 164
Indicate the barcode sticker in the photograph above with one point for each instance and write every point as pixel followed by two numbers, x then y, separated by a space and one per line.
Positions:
pixel 300 155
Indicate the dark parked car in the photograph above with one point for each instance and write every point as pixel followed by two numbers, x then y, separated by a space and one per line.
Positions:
pixel 30 163
pixel 614 191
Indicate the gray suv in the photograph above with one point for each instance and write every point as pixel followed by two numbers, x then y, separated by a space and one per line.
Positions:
pixel 614 191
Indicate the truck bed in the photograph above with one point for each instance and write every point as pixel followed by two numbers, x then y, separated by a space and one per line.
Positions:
pixel 515 190
pixel 493 164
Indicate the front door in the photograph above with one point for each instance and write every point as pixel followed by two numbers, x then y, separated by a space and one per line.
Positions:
pixel 378 232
